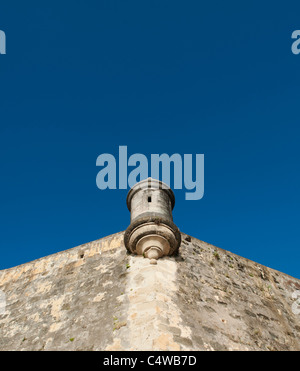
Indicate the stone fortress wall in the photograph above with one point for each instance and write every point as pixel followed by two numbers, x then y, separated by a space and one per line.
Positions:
pixel 97 296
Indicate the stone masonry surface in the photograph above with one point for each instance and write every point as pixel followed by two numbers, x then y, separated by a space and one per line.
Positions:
pixel 99 297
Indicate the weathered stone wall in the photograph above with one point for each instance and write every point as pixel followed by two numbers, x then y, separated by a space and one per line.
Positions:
pixel 65 301
pixel 232 303
pixel 97 297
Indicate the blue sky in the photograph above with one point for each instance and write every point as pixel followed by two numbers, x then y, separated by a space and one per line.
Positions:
pixel 216 78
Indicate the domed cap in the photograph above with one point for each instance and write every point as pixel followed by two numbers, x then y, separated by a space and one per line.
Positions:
pixel 150 183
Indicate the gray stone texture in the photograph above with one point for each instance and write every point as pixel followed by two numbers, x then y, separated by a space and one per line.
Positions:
pixel 99 297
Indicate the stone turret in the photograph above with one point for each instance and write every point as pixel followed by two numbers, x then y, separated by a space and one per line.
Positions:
pixel 96 297
pixel 151 232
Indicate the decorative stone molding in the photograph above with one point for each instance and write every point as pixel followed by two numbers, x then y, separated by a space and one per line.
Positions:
pixel 151 232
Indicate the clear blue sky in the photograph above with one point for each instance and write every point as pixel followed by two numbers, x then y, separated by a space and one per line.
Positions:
pixel 81 78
